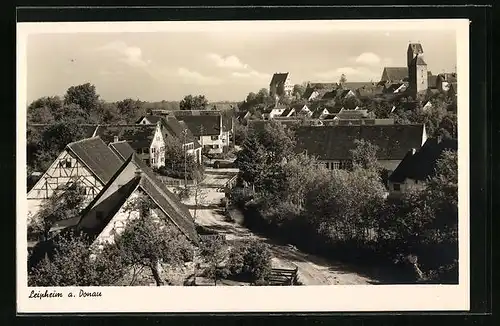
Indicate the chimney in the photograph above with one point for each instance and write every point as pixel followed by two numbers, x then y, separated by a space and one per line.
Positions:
pixel 116 139
pixel 138 173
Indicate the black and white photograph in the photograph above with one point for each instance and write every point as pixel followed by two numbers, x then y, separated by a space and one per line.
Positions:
pixel 255 161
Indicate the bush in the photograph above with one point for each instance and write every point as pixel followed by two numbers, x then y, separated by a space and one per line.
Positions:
pixel 250 260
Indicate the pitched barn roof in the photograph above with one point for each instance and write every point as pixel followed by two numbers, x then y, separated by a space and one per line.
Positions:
pixel 421 165
pixel 163 197
pixel 335 142
pixel 395 73
pixel 209 124
pixel 279 78
pixel 97 157
pixel 139 136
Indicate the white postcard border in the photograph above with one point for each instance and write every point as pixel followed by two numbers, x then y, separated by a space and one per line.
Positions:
pixel 251 299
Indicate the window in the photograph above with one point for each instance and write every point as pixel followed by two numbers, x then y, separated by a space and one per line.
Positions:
pixel 327 165
pixel 397 187
pixel 215 146
pixel 153 150
pixel 335 165
pixel 199 137
pixel 68 163
pixel 152 160
pixel 215 137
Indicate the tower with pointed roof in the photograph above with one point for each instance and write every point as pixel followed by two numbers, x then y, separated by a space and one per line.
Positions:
pixel 417 69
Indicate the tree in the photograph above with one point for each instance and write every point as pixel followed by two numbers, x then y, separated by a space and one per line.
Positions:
pixel 251 260
pixel 130 109
pixel 85 96
pixel 240 133
pixel 70 262
pixel 191 102
pixel 350 103
pixel 364 155
pixel 251 160
pixel 342 80
pixel 61 206
pixel 215 252
pixel 43 110
pixel 298 91
pixel 178 162
pixel 150 240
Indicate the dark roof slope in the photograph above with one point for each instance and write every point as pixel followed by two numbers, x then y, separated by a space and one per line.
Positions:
pixel 153 119
pixel 421 61
pixel 356 85
pixel 98 157
pixel 395 73
pixel 421 165
pixel 210 124
pixel 139 136
pixel 167 201
pixel 279 78
pixel 335 142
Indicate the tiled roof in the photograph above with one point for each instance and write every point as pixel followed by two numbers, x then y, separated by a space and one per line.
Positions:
pixel 167 201
pixel 395 73
pixel 421 165
pixel 356 85
pixel 122 149
pixel 352 114
pixel 97 157
pixel 139 136
pixel 335 142
pixel 279 78
pixel 210 124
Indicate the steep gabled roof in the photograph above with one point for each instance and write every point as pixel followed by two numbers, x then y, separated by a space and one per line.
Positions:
pixel 164 198
pixel 139 136
pixel 279 78
pixel 395 73
pixel 421 61
pixel 153 119
pixel 96 156
pixel 211 124
pixel 416 48
pixel 421 165
pixel 335 142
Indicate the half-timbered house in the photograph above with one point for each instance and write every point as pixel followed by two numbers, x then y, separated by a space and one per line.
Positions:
pixel 88 163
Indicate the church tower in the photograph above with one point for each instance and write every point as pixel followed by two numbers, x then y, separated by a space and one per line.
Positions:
pixel 417 69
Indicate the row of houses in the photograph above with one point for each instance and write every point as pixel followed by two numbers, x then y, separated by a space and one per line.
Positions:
pixel 150 135
pixel 404 151
pixel 113 176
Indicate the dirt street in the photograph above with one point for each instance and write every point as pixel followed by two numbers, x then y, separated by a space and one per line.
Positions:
pixel 313 270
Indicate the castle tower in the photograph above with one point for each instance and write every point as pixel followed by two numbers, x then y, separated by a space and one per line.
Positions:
pixel 417 69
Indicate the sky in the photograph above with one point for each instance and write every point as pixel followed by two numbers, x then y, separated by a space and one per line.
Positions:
pixel 221 63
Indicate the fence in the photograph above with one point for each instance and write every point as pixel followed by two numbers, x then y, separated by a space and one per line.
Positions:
pixel 282 276
pixel 175 182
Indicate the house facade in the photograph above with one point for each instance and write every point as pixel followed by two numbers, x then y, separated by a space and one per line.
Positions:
pixel 419 165
pixel 146 139
pixel 88 163
pixel 174 130
pixel 209 131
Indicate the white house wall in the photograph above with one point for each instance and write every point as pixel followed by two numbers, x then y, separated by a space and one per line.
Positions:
pixel 157 149
pixel 58 176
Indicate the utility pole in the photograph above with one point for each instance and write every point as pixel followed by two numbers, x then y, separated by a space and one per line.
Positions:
pixel 201 140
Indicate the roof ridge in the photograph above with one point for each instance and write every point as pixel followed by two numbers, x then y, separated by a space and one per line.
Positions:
pixel 82 140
